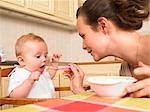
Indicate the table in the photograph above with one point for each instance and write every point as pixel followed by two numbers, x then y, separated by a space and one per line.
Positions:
pixel 87 102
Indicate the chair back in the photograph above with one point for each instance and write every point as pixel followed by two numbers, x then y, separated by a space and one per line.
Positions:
pixel 7 102
pixel 4 72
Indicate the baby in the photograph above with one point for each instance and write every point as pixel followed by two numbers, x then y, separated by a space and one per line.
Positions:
pixel 30 79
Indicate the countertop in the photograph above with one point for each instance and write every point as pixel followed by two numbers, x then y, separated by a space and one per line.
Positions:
pixel 13 62
pixel 9 63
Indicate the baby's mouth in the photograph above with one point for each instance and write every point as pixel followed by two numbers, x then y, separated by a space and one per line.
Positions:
pixel 43 66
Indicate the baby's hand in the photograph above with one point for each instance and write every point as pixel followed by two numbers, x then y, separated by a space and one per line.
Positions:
pixel 34 76
pixel 55 59
pixel 54 64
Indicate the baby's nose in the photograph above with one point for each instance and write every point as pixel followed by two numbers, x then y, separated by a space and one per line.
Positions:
pixel 44 59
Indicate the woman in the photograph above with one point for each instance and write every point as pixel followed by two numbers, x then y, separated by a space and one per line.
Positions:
pixel 108 28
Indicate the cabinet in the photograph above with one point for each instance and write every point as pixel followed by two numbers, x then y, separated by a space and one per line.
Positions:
pixel 81 2
pixel 16 2
pixel 59 11
pixel 45 6
pixel 65 9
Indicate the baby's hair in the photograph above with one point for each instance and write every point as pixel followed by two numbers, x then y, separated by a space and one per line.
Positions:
pixel 126 14
pixel 25 38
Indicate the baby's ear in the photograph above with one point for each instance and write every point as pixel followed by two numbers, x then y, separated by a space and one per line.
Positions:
pixel 20 60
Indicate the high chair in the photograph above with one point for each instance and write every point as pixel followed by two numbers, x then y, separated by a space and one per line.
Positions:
pixel 6 100
pixel 18 101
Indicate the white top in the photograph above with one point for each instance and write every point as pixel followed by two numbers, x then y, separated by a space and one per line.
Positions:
pixel 43 88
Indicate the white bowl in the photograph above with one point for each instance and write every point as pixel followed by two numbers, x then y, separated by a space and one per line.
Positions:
pixel 110 86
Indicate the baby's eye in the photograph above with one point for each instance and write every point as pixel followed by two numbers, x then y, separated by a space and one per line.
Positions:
pixel 38 56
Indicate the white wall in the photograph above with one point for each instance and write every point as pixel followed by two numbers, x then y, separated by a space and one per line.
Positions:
pixel 146 27
pixel 58 39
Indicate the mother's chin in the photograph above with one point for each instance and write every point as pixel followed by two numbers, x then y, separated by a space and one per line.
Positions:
pixel 97 58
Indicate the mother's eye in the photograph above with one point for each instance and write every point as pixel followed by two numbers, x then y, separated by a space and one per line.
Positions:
pixel 82 36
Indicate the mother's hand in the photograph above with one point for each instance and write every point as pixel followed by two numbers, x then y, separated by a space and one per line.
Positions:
pixel 142 71
pixel 142 87
pixel 76 76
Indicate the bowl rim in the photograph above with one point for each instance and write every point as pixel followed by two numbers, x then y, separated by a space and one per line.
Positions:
pixel 91 80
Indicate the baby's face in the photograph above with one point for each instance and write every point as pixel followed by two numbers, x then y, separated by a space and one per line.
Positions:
pixel 35 56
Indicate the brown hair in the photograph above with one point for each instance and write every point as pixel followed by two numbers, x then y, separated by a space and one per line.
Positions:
pixel 25 38
pixel 126 14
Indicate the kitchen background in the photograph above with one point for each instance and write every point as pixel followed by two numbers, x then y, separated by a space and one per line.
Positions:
pixel 59 38
pixel 55 21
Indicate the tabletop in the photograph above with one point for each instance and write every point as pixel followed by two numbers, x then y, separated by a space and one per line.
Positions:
pixel 87 102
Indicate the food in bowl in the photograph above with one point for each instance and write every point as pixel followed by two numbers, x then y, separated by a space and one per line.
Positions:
pixel 110 86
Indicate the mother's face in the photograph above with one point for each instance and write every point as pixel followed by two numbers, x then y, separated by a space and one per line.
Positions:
pixel 95 42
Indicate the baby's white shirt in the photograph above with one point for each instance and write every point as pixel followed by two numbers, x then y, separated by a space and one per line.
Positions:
pixel 43 88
